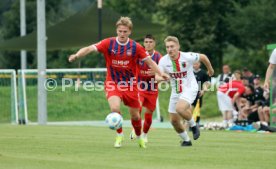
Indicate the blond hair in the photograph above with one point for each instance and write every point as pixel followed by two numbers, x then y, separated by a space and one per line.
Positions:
pixel 125 21
pixel 172 39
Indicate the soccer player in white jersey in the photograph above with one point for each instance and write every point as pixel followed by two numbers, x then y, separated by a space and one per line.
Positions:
pixel 179 66
pixel 271 67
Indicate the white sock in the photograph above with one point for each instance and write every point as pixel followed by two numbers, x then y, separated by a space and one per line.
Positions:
pixel 225 122
pixel 264 123
pixel 192 122
pixel 120 134
pixel 184 136
pixel 144 134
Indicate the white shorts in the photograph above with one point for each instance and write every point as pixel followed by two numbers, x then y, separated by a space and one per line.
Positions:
pixel 189 95
pixel 224 102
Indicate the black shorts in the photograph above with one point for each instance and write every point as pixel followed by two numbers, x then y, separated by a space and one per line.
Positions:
pixel 253 117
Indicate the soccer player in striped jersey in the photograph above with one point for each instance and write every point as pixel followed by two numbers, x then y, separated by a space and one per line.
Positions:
pixel 179 66
pixel 147 86
pixel 121 55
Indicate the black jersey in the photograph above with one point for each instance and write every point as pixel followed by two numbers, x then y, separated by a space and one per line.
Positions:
pixel 201 77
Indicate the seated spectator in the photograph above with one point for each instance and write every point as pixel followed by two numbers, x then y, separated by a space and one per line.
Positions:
pixel 247 105
pixel 227 95
pixel 258 88
pixel 247 74
pixel 264 109
pixel 225 76
pixel 237 75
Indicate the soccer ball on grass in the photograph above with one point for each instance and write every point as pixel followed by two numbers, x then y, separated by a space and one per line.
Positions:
pixel 114 120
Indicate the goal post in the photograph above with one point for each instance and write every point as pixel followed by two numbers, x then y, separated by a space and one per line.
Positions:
pixel 23 112
pixel 72 95
pixel 8 96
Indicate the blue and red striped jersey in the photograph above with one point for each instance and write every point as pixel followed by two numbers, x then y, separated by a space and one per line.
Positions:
pixel 121 59
pixel 144 78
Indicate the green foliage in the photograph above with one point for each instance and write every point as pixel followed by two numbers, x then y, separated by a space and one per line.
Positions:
pixel 238 58
pixel 233 31
pixel 254 24
pixel 56 11
pixel 80 105
pixel 5 99
pixel 71 105
pixel 141 9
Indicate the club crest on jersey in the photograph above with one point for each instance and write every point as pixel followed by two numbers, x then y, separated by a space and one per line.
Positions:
pixel 183 64
pixel 128 52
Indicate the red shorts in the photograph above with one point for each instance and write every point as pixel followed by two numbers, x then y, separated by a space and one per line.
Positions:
pixel 129 95
pixel 148 100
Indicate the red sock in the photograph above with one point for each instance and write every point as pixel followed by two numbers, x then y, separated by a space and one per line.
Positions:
pixel 120 130
pixel 147 122
pixel 137 125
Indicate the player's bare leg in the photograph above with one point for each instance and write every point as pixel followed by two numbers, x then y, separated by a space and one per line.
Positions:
pixel 176 121
pixel 114 104
pixel 183 109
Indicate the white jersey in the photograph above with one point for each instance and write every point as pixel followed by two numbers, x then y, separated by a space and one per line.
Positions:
pixel 180 71
pixel 272 58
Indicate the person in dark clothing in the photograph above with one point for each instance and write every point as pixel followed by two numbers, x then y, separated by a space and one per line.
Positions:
pixel 203 83
pixel 247 74
pixel 225 76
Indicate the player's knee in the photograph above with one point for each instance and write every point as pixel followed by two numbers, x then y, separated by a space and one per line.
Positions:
pixel 180 110
pixel 174 122
pixel 135 117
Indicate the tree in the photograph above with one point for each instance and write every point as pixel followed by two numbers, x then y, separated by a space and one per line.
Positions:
pixel 10 27
pixel 252 27
pixel 199 25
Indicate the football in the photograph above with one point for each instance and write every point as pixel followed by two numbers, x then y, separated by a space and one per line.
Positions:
pixel 114 120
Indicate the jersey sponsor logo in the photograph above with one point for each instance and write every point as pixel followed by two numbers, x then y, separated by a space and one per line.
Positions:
pixel 122 63
pixel 178 75
pixel 145 72
pixel 183 64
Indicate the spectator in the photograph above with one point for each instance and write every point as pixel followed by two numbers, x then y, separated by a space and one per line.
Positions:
pixel 225 76
pixel 263 110
pixel 259 91
pixel 247 74
pixel 248 107
pixel 203 81
pixel 227 95
pixel 237 75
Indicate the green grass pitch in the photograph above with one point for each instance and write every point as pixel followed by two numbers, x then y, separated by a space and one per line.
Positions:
pixel 81 147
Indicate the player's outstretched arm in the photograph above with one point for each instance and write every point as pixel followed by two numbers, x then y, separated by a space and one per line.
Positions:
pixel 161 78
pixel 204 59
pixel 269 71
pixel 153 66
pixel 82 52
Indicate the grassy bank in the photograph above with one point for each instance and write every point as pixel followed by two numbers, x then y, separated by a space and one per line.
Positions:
pixel 71 105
